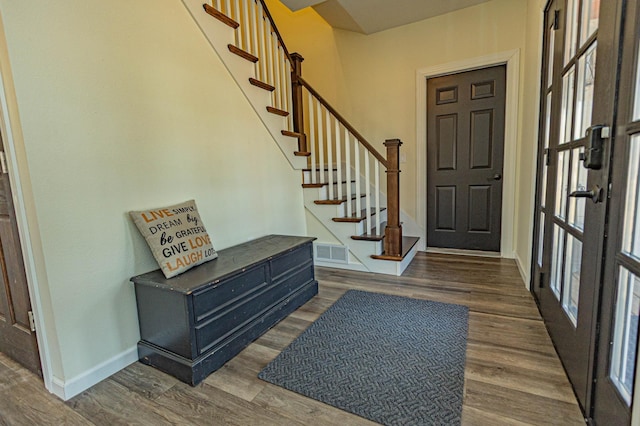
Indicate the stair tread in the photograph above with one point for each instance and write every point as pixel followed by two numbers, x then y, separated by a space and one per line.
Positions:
pixel 261 84
pixel 357 217
pixel 220 16
pixel 338 200
pixel 301 153
pixel 407 245
pixel 242 53
pixel 277 111
pixel 320 185
pixel 292 134
pixel 371 235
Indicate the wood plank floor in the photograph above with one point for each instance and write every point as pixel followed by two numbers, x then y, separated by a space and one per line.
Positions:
pixel 513 375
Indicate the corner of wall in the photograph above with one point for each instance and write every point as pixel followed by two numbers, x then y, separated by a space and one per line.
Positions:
pixel 524 274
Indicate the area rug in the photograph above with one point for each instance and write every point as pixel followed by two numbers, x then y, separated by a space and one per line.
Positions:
pixel 390 359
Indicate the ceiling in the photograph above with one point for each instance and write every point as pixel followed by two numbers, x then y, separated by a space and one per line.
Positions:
pixel 370 16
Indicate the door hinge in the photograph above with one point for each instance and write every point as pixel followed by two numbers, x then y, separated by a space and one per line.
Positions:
pixel 547 157
pixel 3 163
pixel 556 19
pixel 32 322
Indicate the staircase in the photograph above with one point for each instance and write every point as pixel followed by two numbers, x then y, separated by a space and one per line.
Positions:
pixel 342 173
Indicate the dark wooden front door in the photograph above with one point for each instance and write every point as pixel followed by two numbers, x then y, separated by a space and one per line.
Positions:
pixel 579 218
pixel 465 147
pixel 16 338
pixel 620 307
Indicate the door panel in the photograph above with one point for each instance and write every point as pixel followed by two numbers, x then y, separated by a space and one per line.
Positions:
pixel 465 148
pixel 620 308
pixel 580 65
pixel 16 338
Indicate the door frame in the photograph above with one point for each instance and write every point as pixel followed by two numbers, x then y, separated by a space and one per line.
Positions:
pixel 511 59
pixel 24 206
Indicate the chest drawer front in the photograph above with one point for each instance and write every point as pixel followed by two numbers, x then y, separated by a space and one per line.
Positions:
pixel 283 264
pixel 216 299
pixel 238 316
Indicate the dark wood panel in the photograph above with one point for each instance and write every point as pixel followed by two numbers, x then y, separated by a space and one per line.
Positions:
pixel 17 340
pixel 446 208
pixel 481 139
pixel 465 149
pixel 485 89
pixel 447 95
pixel 447 141
pixel 480 204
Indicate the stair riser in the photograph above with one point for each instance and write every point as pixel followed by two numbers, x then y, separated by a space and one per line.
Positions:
pixel 342 208
pixel 320 176
pixel 323 193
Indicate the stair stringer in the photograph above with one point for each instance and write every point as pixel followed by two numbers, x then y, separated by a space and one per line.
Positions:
pixel 219 37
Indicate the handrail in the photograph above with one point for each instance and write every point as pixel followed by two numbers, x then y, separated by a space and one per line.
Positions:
pixel 344 122
pixel 275 28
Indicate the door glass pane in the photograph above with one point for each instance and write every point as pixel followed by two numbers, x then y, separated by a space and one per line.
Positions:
pixel 543 194
pixel 631 231
pixel 636 105
pixel 541 238
pixel 584 102
pixel 562 184
pixel 571 290
pixel 547 126
pixel 566 117
pixel 625 337
pixel 552 42
pixel 578 183
pixel 590 18
pixel 556 260
pixel 547 120
pixel 571 33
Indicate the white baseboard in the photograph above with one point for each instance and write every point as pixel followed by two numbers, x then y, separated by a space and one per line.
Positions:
pixel 460 252
pixel 67 389
pixel 349 266
pixel 523 271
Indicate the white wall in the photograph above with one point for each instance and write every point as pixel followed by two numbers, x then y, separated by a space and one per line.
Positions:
pixel 123 105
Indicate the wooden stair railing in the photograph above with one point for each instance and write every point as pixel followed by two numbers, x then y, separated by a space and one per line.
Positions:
pixel 329 133
pixel 321 131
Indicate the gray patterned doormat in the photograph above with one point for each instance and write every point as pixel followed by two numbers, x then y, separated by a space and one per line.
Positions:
pixel 390 359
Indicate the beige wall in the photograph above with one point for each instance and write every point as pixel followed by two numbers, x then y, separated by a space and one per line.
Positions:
pixel 375 80
pixel 123 105
pixel 528 147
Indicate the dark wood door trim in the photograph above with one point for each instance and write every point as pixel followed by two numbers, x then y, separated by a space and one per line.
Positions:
pixel 511 59
pixel 577 346
pixel 607 403
pixel 465 145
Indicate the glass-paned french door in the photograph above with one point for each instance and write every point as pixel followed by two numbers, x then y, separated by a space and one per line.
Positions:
pixel 620 302
pixel 580 66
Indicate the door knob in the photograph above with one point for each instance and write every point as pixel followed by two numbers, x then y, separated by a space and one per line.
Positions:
pixel 595 194
pixel 496 176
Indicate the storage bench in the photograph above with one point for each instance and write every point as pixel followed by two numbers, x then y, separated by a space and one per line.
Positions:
pixel 192 324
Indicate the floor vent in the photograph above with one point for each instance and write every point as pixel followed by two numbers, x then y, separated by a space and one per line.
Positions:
pixel 332 253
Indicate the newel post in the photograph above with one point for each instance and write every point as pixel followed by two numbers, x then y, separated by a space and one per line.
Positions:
pixel 393 231
pixel 298 109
